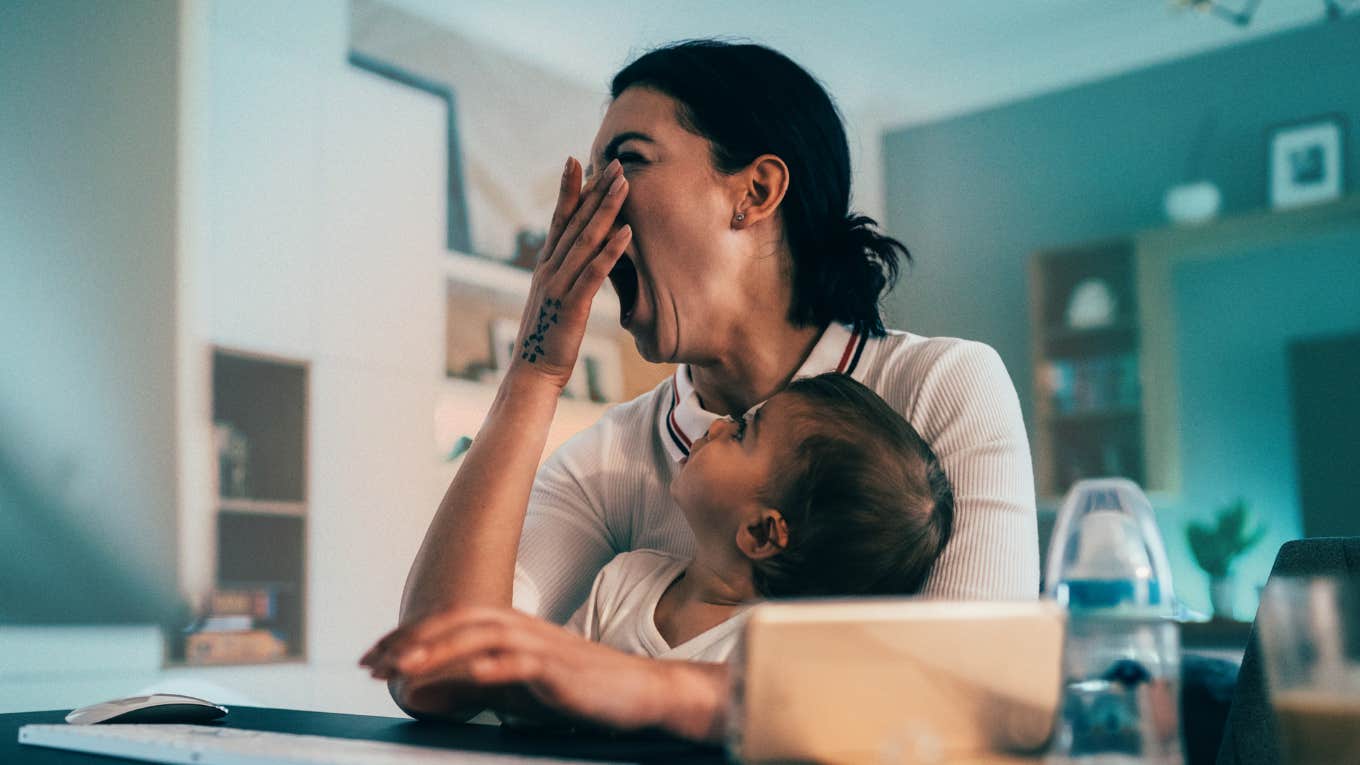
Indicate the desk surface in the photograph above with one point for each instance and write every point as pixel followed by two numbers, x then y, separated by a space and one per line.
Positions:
pixel 481 738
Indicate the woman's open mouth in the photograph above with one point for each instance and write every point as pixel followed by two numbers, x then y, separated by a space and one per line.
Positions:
pixel 624 277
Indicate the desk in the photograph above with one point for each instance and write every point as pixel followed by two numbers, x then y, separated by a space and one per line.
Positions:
pixel 482 738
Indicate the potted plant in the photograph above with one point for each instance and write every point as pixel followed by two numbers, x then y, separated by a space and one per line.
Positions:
pixel 1217 546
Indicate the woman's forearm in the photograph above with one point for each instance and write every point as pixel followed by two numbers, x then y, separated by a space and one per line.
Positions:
pixel 693 701
pixel 450 702
pixel 466 563
pixel 463 660
pixel 468 555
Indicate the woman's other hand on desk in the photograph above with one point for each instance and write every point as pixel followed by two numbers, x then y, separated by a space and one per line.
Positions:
pixel 506 649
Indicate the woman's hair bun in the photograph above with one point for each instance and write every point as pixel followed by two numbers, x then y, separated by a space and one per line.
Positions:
pixel 859 267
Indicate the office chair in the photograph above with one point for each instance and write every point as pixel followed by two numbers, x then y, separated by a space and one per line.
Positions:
pixel 1249 735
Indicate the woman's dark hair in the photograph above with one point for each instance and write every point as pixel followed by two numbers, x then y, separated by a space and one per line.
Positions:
pixel 748 100
pixel 868 506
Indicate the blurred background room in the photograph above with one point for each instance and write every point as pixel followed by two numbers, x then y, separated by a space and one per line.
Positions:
pixel 260 264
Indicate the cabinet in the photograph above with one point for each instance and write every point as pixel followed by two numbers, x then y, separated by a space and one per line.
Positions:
pixel 256 610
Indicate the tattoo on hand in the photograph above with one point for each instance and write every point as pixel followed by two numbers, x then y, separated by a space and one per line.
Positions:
pixel 532 347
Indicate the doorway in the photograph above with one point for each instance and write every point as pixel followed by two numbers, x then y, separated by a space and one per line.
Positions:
pixel 1324 383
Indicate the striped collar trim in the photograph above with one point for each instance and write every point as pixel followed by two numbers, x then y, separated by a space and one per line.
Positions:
pixel 684 419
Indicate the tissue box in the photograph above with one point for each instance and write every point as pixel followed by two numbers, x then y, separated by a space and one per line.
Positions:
pixel 896 680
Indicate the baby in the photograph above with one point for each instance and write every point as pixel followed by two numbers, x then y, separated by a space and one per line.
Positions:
pixel 823 490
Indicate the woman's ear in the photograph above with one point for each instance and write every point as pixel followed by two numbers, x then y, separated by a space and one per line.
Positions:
pixel 763 535
pixel 763 185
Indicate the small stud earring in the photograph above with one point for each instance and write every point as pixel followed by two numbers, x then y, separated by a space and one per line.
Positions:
pixel 741 217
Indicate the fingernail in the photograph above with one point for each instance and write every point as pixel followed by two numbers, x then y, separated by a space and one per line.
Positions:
pixel 566 169
pixel 615 166
pixel 616 186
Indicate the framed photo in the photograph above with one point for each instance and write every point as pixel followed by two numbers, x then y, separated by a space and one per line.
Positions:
pixel 1307 162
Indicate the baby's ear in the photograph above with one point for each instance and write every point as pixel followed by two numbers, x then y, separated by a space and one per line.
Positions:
pixel 763 534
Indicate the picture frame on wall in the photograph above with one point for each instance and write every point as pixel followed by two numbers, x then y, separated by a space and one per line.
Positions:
pixel 1306 162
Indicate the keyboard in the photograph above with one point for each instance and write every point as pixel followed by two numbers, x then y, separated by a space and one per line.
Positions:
pixel 215 745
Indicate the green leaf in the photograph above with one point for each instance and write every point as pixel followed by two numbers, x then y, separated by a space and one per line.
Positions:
pixel 1234 531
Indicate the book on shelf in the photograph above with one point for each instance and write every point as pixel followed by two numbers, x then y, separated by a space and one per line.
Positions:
pixel 235 628
pixel 226 623
pixel 261 603
pixel 1094 384
pixel 235 647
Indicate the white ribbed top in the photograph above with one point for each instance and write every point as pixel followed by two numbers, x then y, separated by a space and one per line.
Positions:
pixel 605 491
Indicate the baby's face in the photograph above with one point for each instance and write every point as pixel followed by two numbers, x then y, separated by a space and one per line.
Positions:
pixel 732 463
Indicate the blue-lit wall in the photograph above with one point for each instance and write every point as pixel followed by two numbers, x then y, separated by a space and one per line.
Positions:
pixel 974 196
pixel 1236 317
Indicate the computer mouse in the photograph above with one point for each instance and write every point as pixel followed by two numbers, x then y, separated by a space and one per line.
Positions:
pixel 156 708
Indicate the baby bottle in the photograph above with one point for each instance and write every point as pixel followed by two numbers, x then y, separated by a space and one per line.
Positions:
pixel 1121 662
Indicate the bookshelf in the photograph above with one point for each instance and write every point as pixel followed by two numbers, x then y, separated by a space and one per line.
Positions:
pixel 1088 408
pixel 256 612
